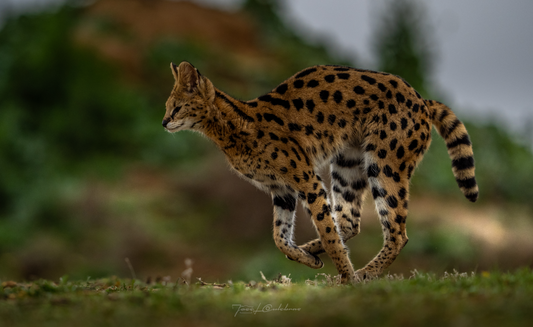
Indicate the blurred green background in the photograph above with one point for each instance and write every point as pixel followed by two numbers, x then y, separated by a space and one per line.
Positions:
pixel 88 177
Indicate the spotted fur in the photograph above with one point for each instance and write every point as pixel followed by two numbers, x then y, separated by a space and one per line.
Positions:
pixel 371 128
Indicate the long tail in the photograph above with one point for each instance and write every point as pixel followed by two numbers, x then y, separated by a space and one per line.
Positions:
pixel 459 147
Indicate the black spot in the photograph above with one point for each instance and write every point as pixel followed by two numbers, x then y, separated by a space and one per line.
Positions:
pixel 341 161
pixel 370 147
pixel 298 103
pixel 368 79
pixel 381 105
pixel 296 179
pixel 270 117
pixel 409 103
pixel 392 109
pixel 286 202
pixel 399 219
pixel 343 76
pixel 384 119
pixel 330 78
pixel 393 83
pixel 350 104
pixel 382 135
pixel 341 69
pixel 311 198
pixel 274 155
pixel 367 110
pixel 392 201
pixel 337 96
pixel 373 170
pixel 396 177
pixel 312 83
pixel 320 216
pixel 417 126
pixel 309 129
pixel 260 134
pixel 339 179
pixel 415 107
pixel 310 105
pixel 324 95
pixel 298 83
pixel 393 125
pixel 382 153
pixel 387 170
pixel 294 127
pixel 320 117
pixel 384 213
pixel 359 185
pixel 463 163
pixel 273 136
pixel 328 229
pixel 348 196
pixel 284 140
pixel 400 98
pixel 402 166
pixel 342 123
pixel 305 72
pixel 404 123
pixel 374 97
pixel 282 89
pixel 413 145
pixel 382 87
pixel 378 192
pixel 359 90
pixel 276 101
pixel 402 193
pixel 278 222
pixel 259 117
pixel 331 119
pixel 389 94
pixel 293 164
pixel 400 152
pixel 375 119
pixel 283 170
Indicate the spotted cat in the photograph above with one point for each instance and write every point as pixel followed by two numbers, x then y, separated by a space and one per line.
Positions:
pixel 371 128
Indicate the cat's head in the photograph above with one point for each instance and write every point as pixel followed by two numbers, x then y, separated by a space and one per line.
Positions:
pixel 191 98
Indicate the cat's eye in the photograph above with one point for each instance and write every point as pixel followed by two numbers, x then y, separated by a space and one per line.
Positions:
pixel 175 111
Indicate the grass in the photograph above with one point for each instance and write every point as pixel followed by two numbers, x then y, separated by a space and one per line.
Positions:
pixel 485 299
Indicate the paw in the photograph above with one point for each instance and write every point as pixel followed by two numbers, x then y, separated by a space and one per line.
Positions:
pixel 313 247
pixel 363 275
pixel 310 260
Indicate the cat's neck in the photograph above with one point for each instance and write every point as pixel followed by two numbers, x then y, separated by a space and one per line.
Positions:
pixel 228 118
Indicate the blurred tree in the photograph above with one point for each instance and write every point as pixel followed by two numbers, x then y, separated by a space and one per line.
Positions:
pixel 293 51
pixel 402 43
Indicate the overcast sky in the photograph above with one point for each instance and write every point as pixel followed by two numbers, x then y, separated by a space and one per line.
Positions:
pixel 485 47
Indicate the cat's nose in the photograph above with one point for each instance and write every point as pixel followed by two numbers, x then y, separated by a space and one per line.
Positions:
pixel 165 122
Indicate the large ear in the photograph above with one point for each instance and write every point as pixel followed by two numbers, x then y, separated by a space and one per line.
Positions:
pixel 174 70
pixel 188 76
